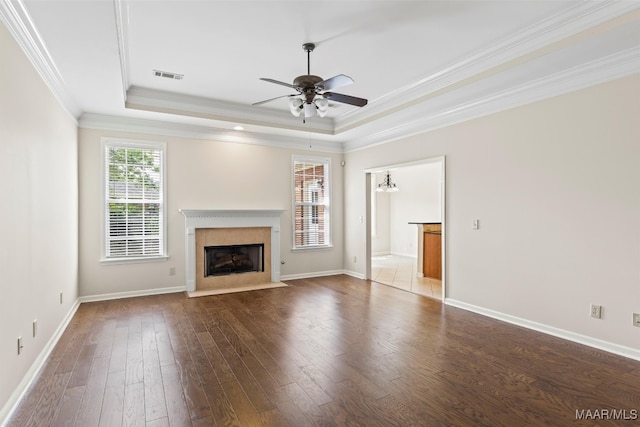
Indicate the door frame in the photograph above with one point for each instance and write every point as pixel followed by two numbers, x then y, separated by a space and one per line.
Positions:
pixel 443 216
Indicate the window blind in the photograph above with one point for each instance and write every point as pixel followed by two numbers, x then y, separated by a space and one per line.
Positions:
pixel 311 202
pixel 134 205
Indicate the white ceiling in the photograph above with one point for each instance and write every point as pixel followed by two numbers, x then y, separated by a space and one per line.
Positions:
pixel 421 64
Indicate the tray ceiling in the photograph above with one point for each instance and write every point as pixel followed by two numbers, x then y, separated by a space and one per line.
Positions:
pixel 421 64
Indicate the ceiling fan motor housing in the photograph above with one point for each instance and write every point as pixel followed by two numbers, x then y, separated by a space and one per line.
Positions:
pixel 307 86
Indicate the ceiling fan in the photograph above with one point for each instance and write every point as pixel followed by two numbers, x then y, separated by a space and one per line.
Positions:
pixel 313 96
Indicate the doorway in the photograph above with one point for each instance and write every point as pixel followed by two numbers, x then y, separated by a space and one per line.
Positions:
pixel 405 227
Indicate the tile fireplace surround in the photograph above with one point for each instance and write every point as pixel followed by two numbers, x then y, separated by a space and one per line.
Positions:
pixel 228 219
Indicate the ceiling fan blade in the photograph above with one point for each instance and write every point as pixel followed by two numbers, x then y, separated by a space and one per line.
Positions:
pixel 273 99
pixel 335 82
pixel 345 99
pixel 278 82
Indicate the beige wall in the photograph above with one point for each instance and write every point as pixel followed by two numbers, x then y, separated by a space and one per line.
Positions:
pixel 38 218
pixel 556 187
pixel 201 174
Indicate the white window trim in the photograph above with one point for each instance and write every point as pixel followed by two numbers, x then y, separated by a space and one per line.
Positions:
pixel 329 228
pixel 374 205
pixel 131 143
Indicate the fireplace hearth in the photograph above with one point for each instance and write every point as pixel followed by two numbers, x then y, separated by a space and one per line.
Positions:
pixel 233 259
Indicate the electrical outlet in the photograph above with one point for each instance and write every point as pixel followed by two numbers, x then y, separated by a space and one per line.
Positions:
pixel 476 224
pixel 596 311
pixel 35 327
pixel 636 319
pixel 60 297
pixel 172 271
pixel 355 259
pixel 20 346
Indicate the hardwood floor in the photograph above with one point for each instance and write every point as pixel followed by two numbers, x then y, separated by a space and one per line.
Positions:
pixel 332 351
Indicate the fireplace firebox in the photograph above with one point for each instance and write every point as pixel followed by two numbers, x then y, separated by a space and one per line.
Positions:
pixel 233 259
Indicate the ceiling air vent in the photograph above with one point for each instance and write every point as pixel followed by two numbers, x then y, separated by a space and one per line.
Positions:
pixel 168 75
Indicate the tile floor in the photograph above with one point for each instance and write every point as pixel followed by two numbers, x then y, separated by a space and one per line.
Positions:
pixel 401 272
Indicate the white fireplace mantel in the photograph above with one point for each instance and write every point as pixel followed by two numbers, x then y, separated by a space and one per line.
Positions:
pixel 224 218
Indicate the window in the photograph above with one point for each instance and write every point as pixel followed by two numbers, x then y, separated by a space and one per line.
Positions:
pixel 311 202
pixel 134 211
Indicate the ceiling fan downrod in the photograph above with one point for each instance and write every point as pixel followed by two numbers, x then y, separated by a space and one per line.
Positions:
pixel 308 47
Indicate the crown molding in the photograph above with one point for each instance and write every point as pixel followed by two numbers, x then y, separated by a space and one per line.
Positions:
pixel 446 110
pixel 163 128
pixel 443 111
pixel 568 22
pixel 193 106
pixel 121 11
pixel 16 18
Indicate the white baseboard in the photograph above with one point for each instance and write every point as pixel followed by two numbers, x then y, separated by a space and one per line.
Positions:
pixel 31 374
pixel 132 294
pixel 310 275
pixel 409 255
pixel 610 347
pixel 386 253
pixel 354 274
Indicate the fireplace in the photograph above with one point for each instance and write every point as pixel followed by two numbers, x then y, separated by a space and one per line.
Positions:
pixel 230 230
pixel 233 259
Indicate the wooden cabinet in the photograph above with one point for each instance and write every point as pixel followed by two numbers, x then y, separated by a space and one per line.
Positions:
pixel 432 251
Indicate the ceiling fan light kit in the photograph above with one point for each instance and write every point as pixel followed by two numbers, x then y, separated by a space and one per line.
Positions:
pixel 312 98
pixel 309 109
pixel 295 105
pixel 322 106
pixel 317 107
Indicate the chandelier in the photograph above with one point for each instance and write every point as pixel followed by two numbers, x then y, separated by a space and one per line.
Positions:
pixel 387 185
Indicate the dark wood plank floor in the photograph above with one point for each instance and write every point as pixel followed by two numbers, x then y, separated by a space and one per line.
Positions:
pixel 333 351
